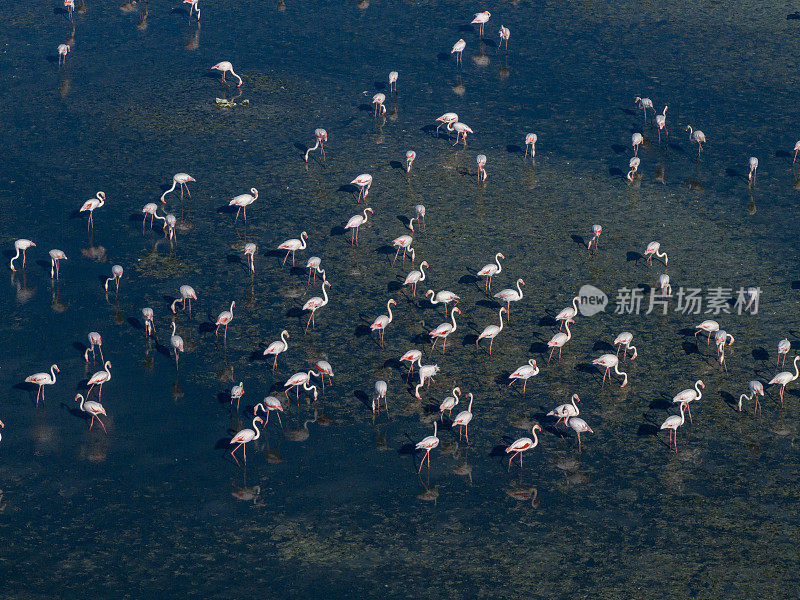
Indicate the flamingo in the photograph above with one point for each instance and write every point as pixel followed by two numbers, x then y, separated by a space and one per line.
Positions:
pixel 249 252
pixel 21 245
pixel 321 136
pixel 672 423
pixel 491 331
pixel 182 180
pixel 225 317
pixel 325 369
pixel 523 444
pixel 524 373
pixel 70 6
pixel 403 243
pixel 482 174
pixel 708 326
pixel 237 392
pixel 277 347
pixel 243 201
pixel 633 164
pixel 505 33
pixel 99 378
pixel 785 377
pixel 293 245
pixel 510 295
pixel 565 411
pixel 169 223
pixel 568 314
pixel 149 323
pixel 425 372
pixel 461 129
pixel 187 293
pixel 463 419
pixel 664 285
pixel 244 436
pixel 151 208
pixel 596 231
pixel 443 297
pixel 94 340
pixel 428 443
pixel 636 141
pixel 796 150
pixel 530 143
pixel 697 136
pixel 363 182
pixel 270 404
pixel 451 117
pixel 410 157
pixel 491 270
pixel 43 379
pixel 378 100
pixel 690 395
pixel 93 408
pixel 55 256
pixel 419 211
pixel 608 361
pixel 313 265
pixel 753 164
pixel 176 342
pixel 354 223
pixel 225 67
pixel 755 388
pixel 91 204
pixel 644 104
pixel 653 250
pixel 393 81
pixel 381 388
pixel 481 18
pixel 116 276
pixel 721 340
pixel 315 303
pixel 63 50
pixel 661 123
pixel 416 276
pixel 579 426
pixel 449 403
pixel 297 380
pixel 192 7
pixel 458 48
pixel 558 341
pixel 381 322
pixel 444 330
pixel 411 357
pixel 783 349
pixel 624 339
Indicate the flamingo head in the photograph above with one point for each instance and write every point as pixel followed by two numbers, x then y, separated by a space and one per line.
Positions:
pixel 701 384
pixel 303 235
pixel 504 310
pixel 392 301
pixel 455 310
pixel 102 196
pixel 521 281
pixel 637 100
pixel 259 419
pixel 536 427
pixel 57 370
pixel 429 293
pixel 577 398
pixel 78 396
pixel 372 212
pixel 328 283
pixel 501 255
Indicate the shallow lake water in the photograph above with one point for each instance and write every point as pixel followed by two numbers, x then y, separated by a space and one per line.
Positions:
pixel 331 505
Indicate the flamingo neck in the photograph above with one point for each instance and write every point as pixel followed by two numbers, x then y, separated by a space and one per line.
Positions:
pixel 365 216
pixel 173 328
pixel 497 261
pixel 469 408
pixel 255 428
pixel 422 271
pixel 53 373
pixel 535 438
pixel 284 335
pixel 391 316
pixel 519 289
pixel 435 428
pixel 453 318
pixel 501 319
pixel 575 301
pixel 697 389
pixel 796 371
pixel 569 333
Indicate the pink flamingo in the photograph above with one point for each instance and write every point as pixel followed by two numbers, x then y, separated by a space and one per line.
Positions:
pixel 451 117
pixel 149 323
pixel 428 443
pixel 381 389
pixel 382 321
pixel 326 370
pixel 482 174
pixel 225 317
pixel 181 179
pixel 293 245
pixel 55 257
pixel 523 444
pixel 463 420
pixel 796 150
pixel 530 143
pixel 297 380
pixel 461 129
pixel 187 295
pixel 623 340
pixel 393 81
pixel 566 411
pixel 249 252
pixel 176 342
pixel 753 164
pixel 449 403
pixel 315 303
pixel 243 201
pixel 652 250
pixel 697 136
pixel 783 350
pixel 313 265
pixel 636 141
pixel 63 50
pixel 270 404
pixel 785 377
pixel 634 167
pixel 90 205
pixel 410 157
pixel 225 67
pixel 116 276
pixel 411 357
pixel 558 341
pixel 524 373
pixel 237 392
pixel 99 378
pixel 93 408
pixel 644 104
pixel 444 330
pixel 672 423
pixel 244 436
pixel 443 297
pixel 354 223
pixel 378 100
pixel 710 326
pixel 568 314
pixel 416 276
pixel 363 182
pixel 481 18
pixel 610 361
pixel 579 426
pixel 426 372
pixel 151 208
pixel 661 123
pixel 505 33
pixel 458 49
pixel 755 388
pixel 403 243
pixel 491 270
pixel 491 331
pixel 21 245
pixel 277 347
pixel 43 379
pixel 690 395
pixel 721 340
pixel 94 340
pixel 321 136
pixel 510 295
pixel 596 231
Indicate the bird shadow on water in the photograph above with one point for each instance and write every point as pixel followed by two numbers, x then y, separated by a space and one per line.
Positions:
pixel 578 239
pixel 633 256
pixel 396 164
pixel 689 347
pixel 514 149
pixel 619 149
pixel 362 397
pixel 760 354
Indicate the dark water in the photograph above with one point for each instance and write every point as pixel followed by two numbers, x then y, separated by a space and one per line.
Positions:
pixel 152 509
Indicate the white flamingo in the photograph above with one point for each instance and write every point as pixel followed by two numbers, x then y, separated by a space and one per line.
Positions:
pixel 491 331
pixel 524 373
